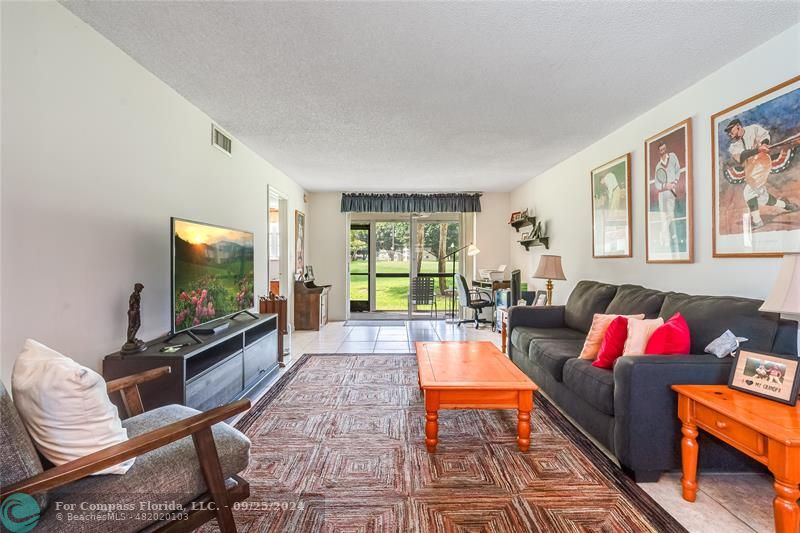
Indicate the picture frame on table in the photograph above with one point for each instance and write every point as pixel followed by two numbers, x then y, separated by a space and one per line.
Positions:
pixel 611 209
pixel 769 376
pixel 669 195
pixel 541 298
pixel 755 168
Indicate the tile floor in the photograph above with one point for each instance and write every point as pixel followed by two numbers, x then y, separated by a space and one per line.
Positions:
pixel 726 503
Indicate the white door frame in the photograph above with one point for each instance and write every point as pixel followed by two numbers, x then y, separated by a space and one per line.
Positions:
pixel 283 246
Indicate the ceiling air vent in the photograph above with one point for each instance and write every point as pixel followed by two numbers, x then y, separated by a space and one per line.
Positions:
pixel 220 139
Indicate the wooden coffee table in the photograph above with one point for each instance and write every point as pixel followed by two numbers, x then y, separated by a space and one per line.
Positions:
pixel 472 375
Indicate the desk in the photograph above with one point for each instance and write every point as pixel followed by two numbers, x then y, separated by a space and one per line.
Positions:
pixel 491 285
pixel 767 431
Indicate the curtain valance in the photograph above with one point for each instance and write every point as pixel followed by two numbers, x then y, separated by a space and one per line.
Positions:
pixel 411 203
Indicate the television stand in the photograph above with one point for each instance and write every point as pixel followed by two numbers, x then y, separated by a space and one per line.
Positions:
pixel 236 363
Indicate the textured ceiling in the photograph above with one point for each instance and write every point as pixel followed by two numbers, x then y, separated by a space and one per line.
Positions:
pixel 429 96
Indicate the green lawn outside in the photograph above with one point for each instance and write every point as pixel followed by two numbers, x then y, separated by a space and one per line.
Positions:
pixel 391 293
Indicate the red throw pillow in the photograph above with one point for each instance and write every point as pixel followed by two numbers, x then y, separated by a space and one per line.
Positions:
pixel 613 343
pixel 672 338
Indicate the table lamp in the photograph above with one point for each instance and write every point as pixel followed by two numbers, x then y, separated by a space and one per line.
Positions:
pixel 549 268
pixel 785 295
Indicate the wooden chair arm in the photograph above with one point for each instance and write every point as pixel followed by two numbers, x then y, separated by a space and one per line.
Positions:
pixel 136 379
pixel 107 457
pixel 129 388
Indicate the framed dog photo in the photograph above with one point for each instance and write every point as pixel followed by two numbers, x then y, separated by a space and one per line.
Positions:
pixel 769 376
pixel 756 198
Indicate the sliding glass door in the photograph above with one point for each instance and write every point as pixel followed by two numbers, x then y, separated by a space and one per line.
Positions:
pixel 435 238
pixel 360 268
pixel 392 264
pixel 388 253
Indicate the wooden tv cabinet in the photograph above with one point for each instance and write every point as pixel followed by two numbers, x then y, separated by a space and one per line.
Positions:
pixel 227 366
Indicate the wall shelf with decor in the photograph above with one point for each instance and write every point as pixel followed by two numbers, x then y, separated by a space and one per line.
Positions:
pixel 541 241
pixel 534 237
pixel 522 222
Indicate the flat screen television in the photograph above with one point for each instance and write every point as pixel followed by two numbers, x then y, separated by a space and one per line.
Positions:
pixel 212 273
pixel 516 287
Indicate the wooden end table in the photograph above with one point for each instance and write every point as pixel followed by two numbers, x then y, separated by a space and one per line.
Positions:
pixel 767 431
pixel 503 328
pixel 472 375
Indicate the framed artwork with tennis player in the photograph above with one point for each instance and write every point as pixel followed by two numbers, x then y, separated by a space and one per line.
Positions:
pixel 755 158
pixel 668 195
pixel 611 208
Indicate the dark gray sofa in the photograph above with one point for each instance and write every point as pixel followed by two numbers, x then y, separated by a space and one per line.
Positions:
pixel 631 410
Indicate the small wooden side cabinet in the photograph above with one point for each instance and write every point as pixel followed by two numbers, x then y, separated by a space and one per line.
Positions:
pixel 767 431
pixel 310 305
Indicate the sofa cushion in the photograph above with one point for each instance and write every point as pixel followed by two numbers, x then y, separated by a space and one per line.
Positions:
pixel 613 343
pixel 522 336
pixel 594 385
pixel 709 316
pixel 634 299
pixel 673 338
pixel 586 299
pixel 551 354
pixel 168 475
pixel 18 457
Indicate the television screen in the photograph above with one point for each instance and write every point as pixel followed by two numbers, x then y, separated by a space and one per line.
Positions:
pixel 212 273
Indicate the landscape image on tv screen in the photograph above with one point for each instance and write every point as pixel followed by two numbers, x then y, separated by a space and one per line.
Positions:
pixel 212 272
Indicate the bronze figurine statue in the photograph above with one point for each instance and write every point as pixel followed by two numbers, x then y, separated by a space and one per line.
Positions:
pixel 134 345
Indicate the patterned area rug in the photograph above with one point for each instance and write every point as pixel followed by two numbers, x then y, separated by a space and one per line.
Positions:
pixel 338 446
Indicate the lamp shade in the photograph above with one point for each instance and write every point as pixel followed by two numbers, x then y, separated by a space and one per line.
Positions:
pixel 472 250
pixel 785 295
pixel 549 268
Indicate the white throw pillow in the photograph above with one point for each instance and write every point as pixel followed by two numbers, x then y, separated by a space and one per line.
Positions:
pixel 65 406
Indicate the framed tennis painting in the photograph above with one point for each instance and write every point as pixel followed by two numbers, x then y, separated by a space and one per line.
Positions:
pixel 755 157
pixel 611 208
pixel 669 195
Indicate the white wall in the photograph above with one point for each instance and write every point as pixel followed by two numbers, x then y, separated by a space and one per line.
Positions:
pixel 97 154
pixel 561 196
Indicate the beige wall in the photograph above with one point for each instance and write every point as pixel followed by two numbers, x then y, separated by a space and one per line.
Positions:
pixel 97 155
pixel 492 230
pixel 327 248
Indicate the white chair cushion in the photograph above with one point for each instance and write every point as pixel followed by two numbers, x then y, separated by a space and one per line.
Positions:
pixel 65 406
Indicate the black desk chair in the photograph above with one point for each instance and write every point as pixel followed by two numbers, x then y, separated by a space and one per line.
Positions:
pixel 475 300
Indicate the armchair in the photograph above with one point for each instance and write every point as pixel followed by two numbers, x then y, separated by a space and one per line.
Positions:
pixel 475 300
pixel 194 480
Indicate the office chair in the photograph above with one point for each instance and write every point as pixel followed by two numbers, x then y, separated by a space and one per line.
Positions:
pixel 475 300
